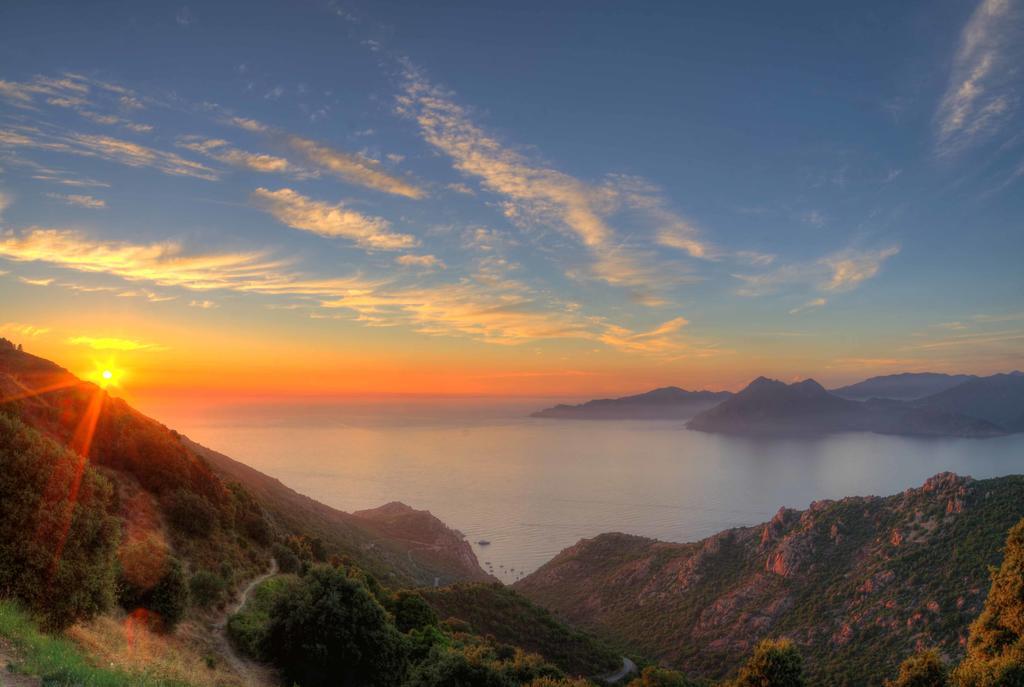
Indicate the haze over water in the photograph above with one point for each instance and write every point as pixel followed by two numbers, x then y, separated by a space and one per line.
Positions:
pixel 533 487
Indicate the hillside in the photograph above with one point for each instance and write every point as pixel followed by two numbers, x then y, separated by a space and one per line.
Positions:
pixel 771 407
pixel 858 584
pixel 998 399
pixel 666 403
pixel 906 386
pixel 497 611
pixel 414 548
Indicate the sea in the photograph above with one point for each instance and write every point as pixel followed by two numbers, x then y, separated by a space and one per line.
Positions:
pixel 531 487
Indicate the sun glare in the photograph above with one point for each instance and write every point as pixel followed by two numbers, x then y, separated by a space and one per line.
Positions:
pixel 106 374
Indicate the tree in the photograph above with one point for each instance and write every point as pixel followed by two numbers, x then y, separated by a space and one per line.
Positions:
pixel 995 645
pixel 774 663
pixel 329 630
pixel 58 541
pixel 923 669
pixel 412 612
pixel 287 561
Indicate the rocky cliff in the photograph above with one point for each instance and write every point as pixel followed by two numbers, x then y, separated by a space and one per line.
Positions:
pixel 858 583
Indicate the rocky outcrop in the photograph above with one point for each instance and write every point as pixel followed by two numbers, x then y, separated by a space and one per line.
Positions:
pixel 849 580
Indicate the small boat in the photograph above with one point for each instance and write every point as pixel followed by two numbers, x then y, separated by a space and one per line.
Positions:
pixel 484 542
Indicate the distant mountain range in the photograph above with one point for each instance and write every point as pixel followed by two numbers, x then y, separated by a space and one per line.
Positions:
pixel 668 402
pixel 901 387
pixel 915 404
pixel 768 406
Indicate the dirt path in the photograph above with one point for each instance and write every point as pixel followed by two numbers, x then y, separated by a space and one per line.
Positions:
pixel 249 671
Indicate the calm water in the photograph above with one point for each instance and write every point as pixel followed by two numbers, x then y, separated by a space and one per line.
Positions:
pixel 533 487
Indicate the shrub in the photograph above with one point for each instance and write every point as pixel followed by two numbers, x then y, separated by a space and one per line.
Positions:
pixel 774 663
pixel 49 539
pixel 190 513
pixel 258 529
pixel 168 598
pixel 923 669
pixel 329 630
pixel 206 589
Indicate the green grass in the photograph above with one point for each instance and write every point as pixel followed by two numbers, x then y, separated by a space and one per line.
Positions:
pixel 59 662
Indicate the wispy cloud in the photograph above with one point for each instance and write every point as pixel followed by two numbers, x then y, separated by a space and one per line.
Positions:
pixel 813 303
pixel 164 263
pixel 850 268
pixel 422 261
pixel 539 194
pixel 81 200
pixel 837 272
pixel 333 220
pixel 983 91
pixel 204 304
pixel 21 329
pixel 105 148
pixel 222 151
pixel 110 343
pixel 351 167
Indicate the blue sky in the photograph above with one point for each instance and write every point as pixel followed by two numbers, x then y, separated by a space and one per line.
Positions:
pixel 612 192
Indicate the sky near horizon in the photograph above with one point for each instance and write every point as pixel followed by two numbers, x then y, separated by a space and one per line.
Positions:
pixel 526 198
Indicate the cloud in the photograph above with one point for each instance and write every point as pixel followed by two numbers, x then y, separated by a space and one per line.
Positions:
pixel 221 151
pixel 461 188
pixel 109 343
pixel 850 268
pixel 249 124
pixel 982 94
pixel 504 316
pixel 73 91
pixel 184 17
pixel 494 310
pixel 203 304
pixel 813 303
pixel 538 194
pixel 20 329
pixel 106 148
pixel 36 282
pixel 425 261
pixel 660 339
pixel 80 200
pixel 161 263
pixel 5 202
pixel 841 271
pixel 351 167
pixel 299 212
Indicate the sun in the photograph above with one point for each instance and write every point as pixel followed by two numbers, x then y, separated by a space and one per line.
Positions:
pixel 106 374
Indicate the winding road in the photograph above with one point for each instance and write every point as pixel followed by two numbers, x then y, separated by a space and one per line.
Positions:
pixel 628 668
